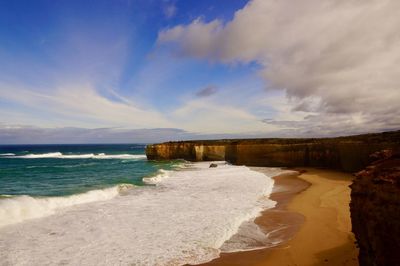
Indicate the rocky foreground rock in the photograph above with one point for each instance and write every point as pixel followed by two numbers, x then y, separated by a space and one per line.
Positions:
pixel 375 210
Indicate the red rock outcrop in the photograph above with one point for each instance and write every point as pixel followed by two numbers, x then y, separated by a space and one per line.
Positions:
pixel 375 210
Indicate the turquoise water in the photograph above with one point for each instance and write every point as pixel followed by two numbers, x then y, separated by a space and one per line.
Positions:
pixel 59 170
pixel 79 199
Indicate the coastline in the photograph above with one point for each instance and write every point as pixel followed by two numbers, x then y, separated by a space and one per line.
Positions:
pixel 190 210
pixel 314 207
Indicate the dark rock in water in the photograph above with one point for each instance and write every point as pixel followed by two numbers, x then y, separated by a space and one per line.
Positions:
pixel 213 165
pixel 375 210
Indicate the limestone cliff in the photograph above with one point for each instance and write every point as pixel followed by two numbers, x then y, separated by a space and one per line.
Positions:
pixel 375 210
pixel 343 153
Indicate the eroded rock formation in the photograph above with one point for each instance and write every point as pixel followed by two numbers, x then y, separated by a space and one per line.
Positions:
pixel 375 196
pixel 343 153
pixel 375 210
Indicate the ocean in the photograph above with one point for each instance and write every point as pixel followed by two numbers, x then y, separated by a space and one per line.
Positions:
pixel 109 205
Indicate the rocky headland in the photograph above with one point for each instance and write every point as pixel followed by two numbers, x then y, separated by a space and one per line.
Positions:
pixel 350 154
pixel 375 192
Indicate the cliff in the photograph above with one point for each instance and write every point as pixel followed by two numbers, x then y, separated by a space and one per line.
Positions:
pixel 343 153
pixel 375 210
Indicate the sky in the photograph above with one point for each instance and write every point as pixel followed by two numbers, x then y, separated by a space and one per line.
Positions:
pixel 156 70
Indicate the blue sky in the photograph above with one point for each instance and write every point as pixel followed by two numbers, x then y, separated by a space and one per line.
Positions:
pixel 203 68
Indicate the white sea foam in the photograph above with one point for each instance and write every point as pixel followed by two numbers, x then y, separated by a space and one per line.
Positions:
pixel 44 155
pixel 185 218
pixel 161 175
pixel 20 208
pixel 62 166
pixel 7 154
pixel 81 156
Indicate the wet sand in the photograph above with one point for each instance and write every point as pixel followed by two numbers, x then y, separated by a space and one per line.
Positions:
pixel 313 220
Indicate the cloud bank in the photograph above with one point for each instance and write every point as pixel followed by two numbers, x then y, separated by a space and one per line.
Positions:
pixel 23 134
pixel 81 104
pixel 337 61
pixel 36 135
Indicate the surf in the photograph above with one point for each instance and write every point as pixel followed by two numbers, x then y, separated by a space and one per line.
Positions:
pixel 16 209
pixel 60 155
pixel 185 216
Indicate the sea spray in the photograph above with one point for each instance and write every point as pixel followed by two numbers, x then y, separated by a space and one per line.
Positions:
pixel 64 170
pixel 184 218
pixel 161 175
pixel 21 208
pixel 78 156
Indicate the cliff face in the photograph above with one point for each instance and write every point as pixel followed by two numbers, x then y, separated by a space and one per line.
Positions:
pixel 375 196
pixel 375 210
pixel 343 153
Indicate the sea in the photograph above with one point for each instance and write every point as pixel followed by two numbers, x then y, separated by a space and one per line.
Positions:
pixel 109 205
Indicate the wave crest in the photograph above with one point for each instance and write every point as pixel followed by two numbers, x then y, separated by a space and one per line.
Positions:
pixel 20 208
pixel 162 174
pixel 78 156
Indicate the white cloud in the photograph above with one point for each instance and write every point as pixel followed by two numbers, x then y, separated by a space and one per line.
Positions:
pixel 205 115
pixel 23 134
pixel 80 105
pixel 38 135
pixel 170 10
pixel 335 59
pixel 330 67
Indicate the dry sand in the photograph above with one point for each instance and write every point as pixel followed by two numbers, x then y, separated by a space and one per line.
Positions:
pixel 314 210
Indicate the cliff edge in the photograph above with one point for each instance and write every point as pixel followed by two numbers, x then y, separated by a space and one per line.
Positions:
pixel 348 154
pixel 375 210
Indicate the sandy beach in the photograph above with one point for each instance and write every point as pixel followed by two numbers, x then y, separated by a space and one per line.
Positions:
pixel 313 219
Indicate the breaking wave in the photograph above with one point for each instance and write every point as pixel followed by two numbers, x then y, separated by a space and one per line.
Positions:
pixel 20 208
pixel 78 156
pixel 185 218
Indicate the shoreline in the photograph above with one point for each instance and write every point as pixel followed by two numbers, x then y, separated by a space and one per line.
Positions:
pixel 313 208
